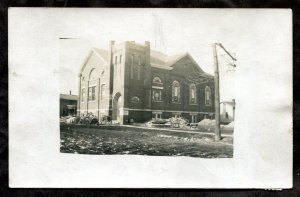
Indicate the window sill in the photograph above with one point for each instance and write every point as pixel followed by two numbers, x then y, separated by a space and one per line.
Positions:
pixel 175 102
pixel 193 103
pixel 92 101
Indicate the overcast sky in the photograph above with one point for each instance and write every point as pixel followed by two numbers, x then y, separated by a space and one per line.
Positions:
pixel 169 31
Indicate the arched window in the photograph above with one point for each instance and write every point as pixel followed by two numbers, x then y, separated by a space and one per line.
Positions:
pixel 135 99
pixel 93 75
pixel 157 80
pixel 193 95
pixel 207 96
pixel 157 87
pixel 175 91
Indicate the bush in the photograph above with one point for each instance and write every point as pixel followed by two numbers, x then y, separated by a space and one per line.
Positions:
pixel 87 119
pixel 179 122
pixel 159 121
pixel 77 119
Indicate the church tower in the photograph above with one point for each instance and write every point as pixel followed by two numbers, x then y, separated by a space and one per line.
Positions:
pixel 131 78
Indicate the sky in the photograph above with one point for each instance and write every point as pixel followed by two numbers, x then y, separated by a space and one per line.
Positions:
pixel 168 31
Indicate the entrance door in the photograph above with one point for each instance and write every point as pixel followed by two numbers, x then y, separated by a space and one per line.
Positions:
pixel 116 107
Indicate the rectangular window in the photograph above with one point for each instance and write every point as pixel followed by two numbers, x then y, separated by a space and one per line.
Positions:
pixel 193 96
pixel 92 91
pixel 176 91
pixel 176 94
pixel 194 118
pixel 156 95
pixel 207 99
pixel 120 59
pixel 156 115
pixel 82 94
pixel 193 93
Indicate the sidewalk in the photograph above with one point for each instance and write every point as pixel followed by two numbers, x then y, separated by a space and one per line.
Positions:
pixel 134 127
pixel 176 130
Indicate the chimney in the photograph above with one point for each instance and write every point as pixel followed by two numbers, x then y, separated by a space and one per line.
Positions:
pixel 147 43
pixel 70 92
pixel 111 47
pixel 111 69
pixel 111 43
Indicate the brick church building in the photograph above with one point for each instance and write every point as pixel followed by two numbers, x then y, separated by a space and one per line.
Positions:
pixel 130 82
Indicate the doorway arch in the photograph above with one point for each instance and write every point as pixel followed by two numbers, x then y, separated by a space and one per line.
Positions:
pixel 116 105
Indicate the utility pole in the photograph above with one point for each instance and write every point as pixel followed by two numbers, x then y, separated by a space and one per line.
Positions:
pixel 217 89
pixel 217 94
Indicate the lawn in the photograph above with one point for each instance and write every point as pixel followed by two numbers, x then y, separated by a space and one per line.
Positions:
pixel 139 142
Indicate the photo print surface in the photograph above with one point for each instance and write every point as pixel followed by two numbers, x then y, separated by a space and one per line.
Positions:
pixel 129 97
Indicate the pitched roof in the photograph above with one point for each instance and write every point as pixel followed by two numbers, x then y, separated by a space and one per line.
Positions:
pixel 157 58
pixel 68 97
pixel 175 58
pixel 103 53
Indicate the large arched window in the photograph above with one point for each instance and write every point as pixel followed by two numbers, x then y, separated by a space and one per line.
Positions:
pixel 175 91
pixel 193 95
pixel 92 85
pixel 207 95
pixel 157 87
pixel 93 76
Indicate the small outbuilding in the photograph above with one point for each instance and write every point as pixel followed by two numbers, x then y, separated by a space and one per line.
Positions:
pixel 227 111
pixel 68 104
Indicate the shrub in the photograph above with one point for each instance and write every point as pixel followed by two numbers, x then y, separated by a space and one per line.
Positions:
pixel 87 119
pixel 159 121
